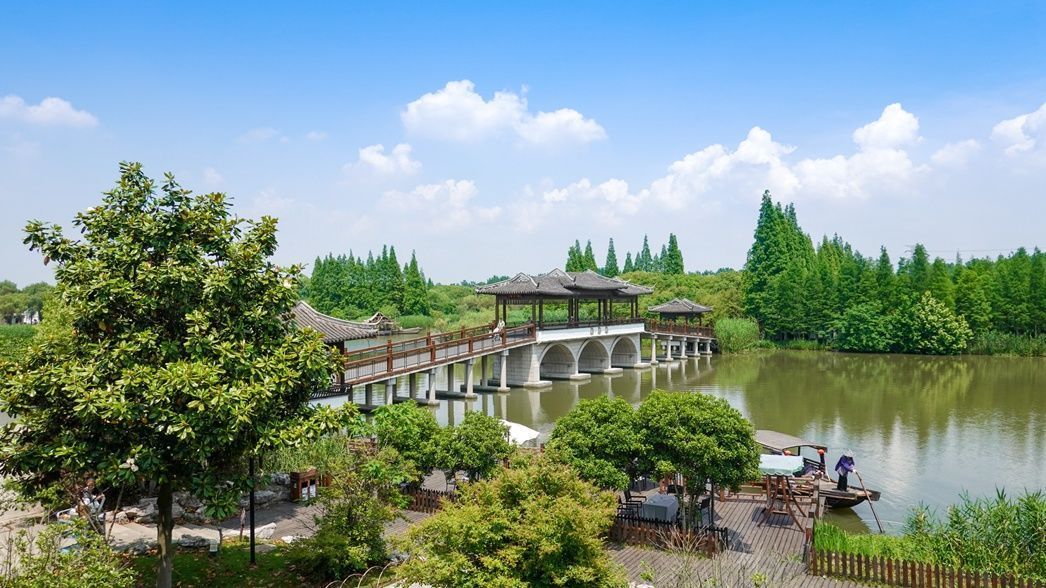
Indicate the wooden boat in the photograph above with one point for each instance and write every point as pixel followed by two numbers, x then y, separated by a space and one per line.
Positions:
pixel 815 472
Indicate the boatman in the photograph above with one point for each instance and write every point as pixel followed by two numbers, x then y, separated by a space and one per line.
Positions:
pixel 844 467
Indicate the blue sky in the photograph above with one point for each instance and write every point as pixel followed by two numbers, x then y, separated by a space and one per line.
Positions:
pixel 507 132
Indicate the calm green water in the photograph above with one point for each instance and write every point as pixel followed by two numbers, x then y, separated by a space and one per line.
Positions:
pixel 923 428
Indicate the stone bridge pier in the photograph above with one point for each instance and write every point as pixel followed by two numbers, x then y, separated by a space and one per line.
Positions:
pixel 572 354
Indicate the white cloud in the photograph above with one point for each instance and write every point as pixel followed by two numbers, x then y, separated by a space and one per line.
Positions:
pixel 396 162
pixel 895 127
pixel 956 153
pixel 315 136
pixel 263 134
pixel 879 161
pixel 457 112
pixel 49 112
pixel 211 178
pixel 1021 133
pixel 269 202
pixel 440 207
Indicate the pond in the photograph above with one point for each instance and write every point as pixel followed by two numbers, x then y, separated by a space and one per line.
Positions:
pixel 924 429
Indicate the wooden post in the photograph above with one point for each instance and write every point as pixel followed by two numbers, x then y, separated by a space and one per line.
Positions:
pixel 388 355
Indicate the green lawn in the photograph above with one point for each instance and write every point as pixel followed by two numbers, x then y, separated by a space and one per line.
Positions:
pixel 230 568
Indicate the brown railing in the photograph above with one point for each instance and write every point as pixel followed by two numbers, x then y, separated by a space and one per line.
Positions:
pixel 635 530
pixel 395 358
pixel 425 500
pixel 552 325
pixel 894 572
pixel 671 328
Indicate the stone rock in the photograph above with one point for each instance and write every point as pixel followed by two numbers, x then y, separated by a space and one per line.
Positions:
pixel 195 517
pixel 264 547
pixel 193 542
pixel 187 501
pixel 288 539
pixel 138 546
pixel 177 511
pixel 265 531
pixel 122 518
pixel 261 498
pixel 280 479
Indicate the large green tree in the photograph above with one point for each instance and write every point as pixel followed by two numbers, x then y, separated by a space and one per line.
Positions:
pixel 415 291
pixel 600 439
pixel 180 362
pixel 672 260
pixel 610 268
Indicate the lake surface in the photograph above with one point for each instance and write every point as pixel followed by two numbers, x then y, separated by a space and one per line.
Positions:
pixel 923 429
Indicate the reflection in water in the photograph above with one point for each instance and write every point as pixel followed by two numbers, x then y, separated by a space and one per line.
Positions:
pixel 923 428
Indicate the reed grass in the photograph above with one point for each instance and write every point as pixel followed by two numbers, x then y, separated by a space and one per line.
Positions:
pixel 737 335
pixel 998 535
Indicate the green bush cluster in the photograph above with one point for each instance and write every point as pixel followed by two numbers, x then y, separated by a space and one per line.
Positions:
pixel 737 335
pixel 39 561
pixel 14 339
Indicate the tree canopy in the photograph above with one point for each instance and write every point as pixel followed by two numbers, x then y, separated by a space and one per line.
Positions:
pixel 600 439
pixel 180 362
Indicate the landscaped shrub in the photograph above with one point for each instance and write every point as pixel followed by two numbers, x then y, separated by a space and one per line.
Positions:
pixel 737 334
pixel 40 562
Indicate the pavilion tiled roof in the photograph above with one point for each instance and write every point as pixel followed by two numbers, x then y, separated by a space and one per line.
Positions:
pixel 334 330
pixel 560 283
pixel 680 306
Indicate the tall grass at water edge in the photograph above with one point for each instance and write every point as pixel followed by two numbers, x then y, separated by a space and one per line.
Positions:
pixel 997 535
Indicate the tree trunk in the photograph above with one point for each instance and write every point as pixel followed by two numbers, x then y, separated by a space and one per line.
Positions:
pixel 164 539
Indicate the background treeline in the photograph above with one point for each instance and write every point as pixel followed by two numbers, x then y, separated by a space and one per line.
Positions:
pixel 668 261
pixel 16 304
pixel 832 295
pixel 351 287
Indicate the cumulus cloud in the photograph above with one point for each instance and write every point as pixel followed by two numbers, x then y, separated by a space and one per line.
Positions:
pixel 315 136
pixel 49 112
pixel 396 162
pixel 1021 133
pixel 262 135
pixel 457 112
pixel 440 207
pixel 956 153
pixel 880 160
pixel 699 179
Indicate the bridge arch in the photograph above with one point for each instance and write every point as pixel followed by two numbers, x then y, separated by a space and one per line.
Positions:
pixel 593 357
pixel 624 352
pixel 557 362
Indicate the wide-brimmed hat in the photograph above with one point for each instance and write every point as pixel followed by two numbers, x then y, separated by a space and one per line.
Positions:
pixel 849 453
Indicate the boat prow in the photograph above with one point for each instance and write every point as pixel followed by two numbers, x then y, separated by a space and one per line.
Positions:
pixel 835 498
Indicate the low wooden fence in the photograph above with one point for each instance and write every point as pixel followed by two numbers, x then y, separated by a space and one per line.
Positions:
pixel 895 572
pixel 640 531
pixel 425 500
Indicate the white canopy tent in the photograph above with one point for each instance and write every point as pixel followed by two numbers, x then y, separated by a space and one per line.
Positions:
pixel 519 434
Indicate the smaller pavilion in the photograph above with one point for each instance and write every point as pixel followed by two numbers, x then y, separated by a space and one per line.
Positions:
pixel 681 308
pixel 572 289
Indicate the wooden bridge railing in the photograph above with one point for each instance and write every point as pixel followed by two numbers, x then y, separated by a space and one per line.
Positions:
pixel 671 328
pixel 394 358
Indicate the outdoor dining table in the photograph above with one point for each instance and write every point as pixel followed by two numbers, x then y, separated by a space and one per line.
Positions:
pixel 777 470
pixel 660 506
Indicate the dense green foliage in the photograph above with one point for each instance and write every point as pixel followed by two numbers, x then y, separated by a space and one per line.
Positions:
pixel 834 295
pixel 696 435
pixel 534 524
pixel 41 563
pixel 362 497
pixel 351 287
pixel 998 535
pixel 413 432
pixel 14 340
pixel 720 290
pixel 15 303
pixel 736 335
pixel 180 363
pixel 600 439
pixel 477 446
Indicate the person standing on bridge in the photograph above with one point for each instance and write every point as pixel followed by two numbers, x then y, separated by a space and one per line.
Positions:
pixel 843 467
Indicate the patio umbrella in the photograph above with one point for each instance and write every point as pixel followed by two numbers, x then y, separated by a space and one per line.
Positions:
pixel 519 434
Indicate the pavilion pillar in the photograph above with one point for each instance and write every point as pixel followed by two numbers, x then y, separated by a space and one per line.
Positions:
pixel 432 388
pixel 412 386
pixel 503 387
pixel 390 392
pixel 541 312
pixel 450 378
pixel 368 395
pixel 469 392
pixel 668 349
pixel 653 350
pixel 483 371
